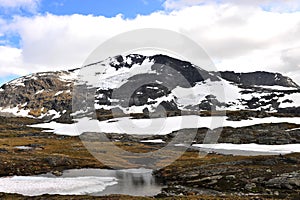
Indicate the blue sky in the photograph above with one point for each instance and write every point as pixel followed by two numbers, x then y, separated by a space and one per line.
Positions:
pixel 239 35
pixel 107 8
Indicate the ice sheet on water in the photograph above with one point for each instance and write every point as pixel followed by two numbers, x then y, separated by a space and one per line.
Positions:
pixel 35 186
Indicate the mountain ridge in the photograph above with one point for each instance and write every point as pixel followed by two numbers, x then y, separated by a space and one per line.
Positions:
pixel 48 95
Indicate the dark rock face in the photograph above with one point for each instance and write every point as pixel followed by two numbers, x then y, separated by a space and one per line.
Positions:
pixel 135 58
pixel 290 110
pixel 150 91
pixel 258 78
pixel 210 103
pixel 190 72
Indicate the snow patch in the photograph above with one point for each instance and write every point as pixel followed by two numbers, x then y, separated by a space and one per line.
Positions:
pixel 295 98
pixel 40 91
pixel 153 141
pixel 277 87
pixel 107 77
pixel 278 149
pixel 17 82
pixel 16 111
pixel 293 129
pixel 58 93
pixel 69 76
pixel 53 113
pixel 155 126
pixel 23 147
pixel 222 90
pixel 36 186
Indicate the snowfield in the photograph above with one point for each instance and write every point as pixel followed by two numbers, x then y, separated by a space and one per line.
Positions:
pixel 276 149
pixel 155 126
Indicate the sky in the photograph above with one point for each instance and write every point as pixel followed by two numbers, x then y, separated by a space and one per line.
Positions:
pixel 238 35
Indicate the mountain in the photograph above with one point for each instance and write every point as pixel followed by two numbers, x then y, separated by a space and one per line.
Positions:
pixel 147 84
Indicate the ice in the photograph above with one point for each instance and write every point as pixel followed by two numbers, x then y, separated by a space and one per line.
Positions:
pixel 35 186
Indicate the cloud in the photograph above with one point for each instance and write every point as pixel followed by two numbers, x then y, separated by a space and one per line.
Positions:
pixel 236 37
pixel 179 4
pixel 29 5
pixel 11 61
pixel 291 59
pixel 271 5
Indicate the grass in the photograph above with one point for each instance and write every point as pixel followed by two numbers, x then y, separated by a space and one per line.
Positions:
pixel 52 152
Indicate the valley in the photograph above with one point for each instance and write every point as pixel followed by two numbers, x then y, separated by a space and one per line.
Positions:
pixel 212 175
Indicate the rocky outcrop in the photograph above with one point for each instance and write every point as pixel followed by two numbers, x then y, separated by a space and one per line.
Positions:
pixel 264 175
pixel 258 78
pixel 267 134
pixel 42 95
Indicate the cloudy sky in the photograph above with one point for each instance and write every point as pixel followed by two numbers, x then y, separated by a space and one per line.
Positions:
pixel 239 35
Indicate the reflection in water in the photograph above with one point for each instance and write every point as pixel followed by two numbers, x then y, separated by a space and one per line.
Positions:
pixel 135 182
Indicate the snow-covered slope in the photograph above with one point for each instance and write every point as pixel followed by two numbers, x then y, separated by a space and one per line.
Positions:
pixel 146 84
pixel 132 86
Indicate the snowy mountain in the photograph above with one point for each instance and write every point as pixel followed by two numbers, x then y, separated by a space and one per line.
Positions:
pixel 147 84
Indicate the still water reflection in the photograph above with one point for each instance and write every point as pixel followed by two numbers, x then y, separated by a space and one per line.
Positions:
pixel 135 182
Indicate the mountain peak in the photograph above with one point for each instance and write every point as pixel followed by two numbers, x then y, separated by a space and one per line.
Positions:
pixel 147 83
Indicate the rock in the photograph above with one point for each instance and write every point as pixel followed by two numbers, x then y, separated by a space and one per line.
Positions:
pixel 230 177
pixel 210 180
pixel 57 173
pixel 57 161
pixel 3 150
pixel 250 186
pixel 258 78
pixel 289 181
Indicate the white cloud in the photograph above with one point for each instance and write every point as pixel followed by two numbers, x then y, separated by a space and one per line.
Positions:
pixel 11 61
pixel 236 37
pixel 272 5
pixel 178 4
pixel 30 5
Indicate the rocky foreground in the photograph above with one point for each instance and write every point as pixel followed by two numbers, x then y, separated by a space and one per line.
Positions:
pixel 190 177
